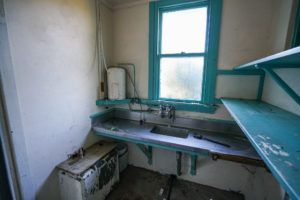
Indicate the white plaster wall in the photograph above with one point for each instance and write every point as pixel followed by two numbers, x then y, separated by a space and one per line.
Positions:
pixel 237 86
pixel 246 35
pixel 275 95
pixel 245 31
pixel 280 25
pixel 53 53
pixel 272 92
pixel 130 42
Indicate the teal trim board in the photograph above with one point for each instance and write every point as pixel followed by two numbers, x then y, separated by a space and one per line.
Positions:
pixel 210 54
pixel 103 112
pixel 191 106
pixel 240 72
pixel 112 102
pixel 187 106
pixel 275 134
pixel 213 38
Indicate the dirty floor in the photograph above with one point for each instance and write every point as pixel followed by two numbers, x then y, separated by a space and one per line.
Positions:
pixel 141 184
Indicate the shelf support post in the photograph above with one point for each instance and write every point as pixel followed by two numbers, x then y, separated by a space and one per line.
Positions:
pixel 193 164
pixel 178 159
pixel 146 151
pixel 282 84
pixel 261 85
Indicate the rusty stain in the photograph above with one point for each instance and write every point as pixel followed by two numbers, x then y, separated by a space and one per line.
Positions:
pixel 107 171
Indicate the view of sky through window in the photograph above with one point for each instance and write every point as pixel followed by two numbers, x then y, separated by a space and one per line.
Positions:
pixel 184 31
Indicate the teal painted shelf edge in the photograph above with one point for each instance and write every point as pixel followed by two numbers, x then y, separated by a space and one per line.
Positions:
pixel 151 144
pixel 274 133
pixel 285 59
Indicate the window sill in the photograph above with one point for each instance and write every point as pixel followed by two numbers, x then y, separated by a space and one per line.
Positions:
pixel 193 107
pixel 186 106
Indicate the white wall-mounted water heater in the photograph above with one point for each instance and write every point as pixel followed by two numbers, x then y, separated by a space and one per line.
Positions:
pixel 116 81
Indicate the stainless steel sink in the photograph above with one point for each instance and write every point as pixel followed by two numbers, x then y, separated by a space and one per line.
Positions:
pixel 170 131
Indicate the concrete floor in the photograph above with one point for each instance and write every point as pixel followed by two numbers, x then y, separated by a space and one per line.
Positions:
pixel 141 184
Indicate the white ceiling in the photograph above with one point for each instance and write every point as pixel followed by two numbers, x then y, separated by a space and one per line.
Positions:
pixel 116 3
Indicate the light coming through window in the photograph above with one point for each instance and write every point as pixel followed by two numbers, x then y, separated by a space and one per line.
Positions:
pixel 182 48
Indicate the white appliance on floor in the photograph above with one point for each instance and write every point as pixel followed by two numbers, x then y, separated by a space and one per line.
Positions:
pixel 91 177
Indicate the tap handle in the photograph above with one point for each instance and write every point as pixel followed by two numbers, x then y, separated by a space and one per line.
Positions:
pixel 161 110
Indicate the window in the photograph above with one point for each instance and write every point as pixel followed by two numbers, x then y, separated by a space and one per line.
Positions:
pixel 183 50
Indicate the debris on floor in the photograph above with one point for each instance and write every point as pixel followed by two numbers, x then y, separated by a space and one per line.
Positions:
pixel 141 184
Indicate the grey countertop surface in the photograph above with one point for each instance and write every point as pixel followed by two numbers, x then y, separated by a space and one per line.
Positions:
pixel 131 129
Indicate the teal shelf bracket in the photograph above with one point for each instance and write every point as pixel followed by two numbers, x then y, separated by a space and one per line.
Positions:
pixel 146 151
pixel 282 84
pixel 193 164
pixel 261 85
pixel 178 161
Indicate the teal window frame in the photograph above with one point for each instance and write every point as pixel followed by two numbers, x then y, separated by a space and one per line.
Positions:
pixel 214 9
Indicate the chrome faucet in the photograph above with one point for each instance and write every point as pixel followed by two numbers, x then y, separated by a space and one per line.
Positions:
pixel 161 112
pixel 170 112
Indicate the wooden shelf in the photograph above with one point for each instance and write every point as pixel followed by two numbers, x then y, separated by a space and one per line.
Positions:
pixel 285 59
pixel 275 134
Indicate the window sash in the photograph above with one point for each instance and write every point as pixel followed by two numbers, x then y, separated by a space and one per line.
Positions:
pixel 180 8
pixel 214 12
pixel 182 54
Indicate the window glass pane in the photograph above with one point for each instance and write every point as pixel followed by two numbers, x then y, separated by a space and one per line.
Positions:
pixel 181 78
pixel 184 31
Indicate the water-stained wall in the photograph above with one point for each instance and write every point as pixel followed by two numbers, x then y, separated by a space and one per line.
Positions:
pixel 53 54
